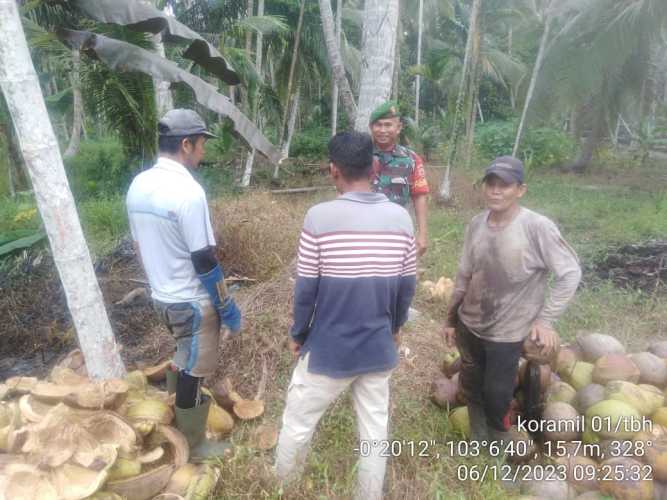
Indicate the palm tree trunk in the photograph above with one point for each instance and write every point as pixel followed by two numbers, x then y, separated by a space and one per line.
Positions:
pixel 291 126
pixel 418 81
pixel 445 186
pixel 334 89
pixel 591 143
pixel 77 108
pixel 336 61
pixel 20 86
pixel 290 81
pixel 533 80
pixel 250 162
pixel 377 57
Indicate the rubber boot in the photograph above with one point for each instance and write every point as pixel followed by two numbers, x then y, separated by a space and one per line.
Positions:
pixel 479 431
pixel 172 378
pixel 192 423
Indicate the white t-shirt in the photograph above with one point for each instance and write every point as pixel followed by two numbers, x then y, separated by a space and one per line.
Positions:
pixel 169 219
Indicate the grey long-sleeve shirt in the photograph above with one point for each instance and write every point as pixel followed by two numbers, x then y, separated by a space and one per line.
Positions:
pixel 501 285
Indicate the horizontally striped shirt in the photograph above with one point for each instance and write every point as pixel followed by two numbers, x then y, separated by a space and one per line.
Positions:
pixel 356 274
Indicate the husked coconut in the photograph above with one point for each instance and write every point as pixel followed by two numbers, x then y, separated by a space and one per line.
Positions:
pixel 443 392
pixel 652 369
pixel 615 367
pixel 560 391
pixel 659 348
pixel 588 395
pixel 567 357
pixel 563 416
pixel 634 486
pixel 595 345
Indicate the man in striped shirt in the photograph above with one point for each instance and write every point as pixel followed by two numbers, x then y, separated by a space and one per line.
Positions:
pixel 356 276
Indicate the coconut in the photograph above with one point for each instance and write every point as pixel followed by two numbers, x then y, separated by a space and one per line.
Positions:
pixel 52 393
pixel 66 376
pixel 615 367
pixel 551 488
pixel 581 472
pixel 517 453
pixel 560 391
pixel 124 468
pixel 459 421
pixel 32 410
pixel 143 427
pixel 180 480
pixel 176 442
pixel 533 352
pixel 152 456
pixel 616 418
pixel 152 410
pixel 443 392
pixel 581 375
pixel 137 380
pixel 596 345
pixel 588 395
pixel 633 486
pixel 98 395
pixel 158 372
pixel 74 482
pixel 652 369
pixel 451 358
pixel 109 427
pixel 565 360
pixel 656 456
pixel 203 485
pixel 248 409
pixel 144 486
pixel 631 394
pixel 26 482
pixel 659 348
pixel 589 437
pixel 219 421
pixel 265 437
pixel 564 417
pixel 655 396
pixel 660 416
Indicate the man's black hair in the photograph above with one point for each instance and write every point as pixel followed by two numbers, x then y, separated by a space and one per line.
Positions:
pixel 352 153
pixel 171 144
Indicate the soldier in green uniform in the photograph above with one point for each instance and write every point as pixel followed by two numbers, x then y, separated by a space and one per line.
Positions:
pixel 398 172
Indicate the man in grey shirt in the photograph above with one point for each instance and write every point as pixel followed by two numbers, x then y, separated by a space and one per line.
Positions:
pixel 500 296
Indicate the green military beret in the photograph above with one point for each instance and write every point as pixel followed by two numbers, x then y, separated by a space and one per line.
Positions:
pixel 388 109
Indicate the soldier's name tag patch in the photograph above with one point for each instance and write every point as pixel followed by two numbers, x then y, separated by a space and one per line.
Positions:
pixel 399 180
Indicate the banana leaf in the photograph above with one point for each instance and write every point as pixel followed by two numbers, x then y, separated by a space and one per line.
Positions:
pixel 21 243
pixel 123 56
pixel 140 16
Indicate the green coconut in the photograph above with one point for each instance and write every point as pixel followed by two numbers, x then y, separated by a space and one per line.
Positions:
pixel 564 416
pixel 567 357
pixel 581 375
pixel 656 456
pixel 631 394
pixel 460 421
pixel 615 418
pixel 451 363
pixel 588 395
pixel 652 369
pixel 124 468
pixel 596 345
pixel 615 367
pixel 654 395
pixel 659 416
pixel 560 391
pixel 137 380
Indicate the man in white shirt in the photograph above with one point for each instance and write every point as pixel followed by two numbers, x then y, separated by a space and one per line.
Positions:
pixel 172 233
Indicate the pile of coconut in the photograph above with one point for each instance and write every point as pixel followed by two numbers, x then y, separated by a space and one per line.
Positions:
pixel 596 382
pixel 69 437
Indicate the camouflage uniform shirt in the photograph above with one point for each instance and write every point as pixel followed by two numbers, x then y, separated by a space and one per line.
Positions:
pixel 398 174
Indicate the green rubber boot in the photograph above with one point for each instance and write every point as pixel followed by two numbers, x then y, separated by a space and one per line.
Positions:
pixel 192 423
pixel 172 379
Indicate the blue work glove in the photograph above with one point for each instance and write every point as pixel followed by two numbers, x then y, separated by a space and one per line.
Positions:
pixel 230 316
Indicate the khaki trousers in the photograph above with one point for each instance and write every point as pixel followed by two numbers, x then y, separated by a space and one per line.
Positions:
pixel 308 397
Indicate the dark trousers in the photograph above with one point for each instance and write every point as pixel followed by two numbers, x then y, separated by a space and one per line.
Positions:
pixel 488 372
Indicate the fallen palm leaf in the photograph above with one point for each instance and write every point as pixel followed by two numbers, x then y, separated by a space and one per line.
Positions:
pixel 144 486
